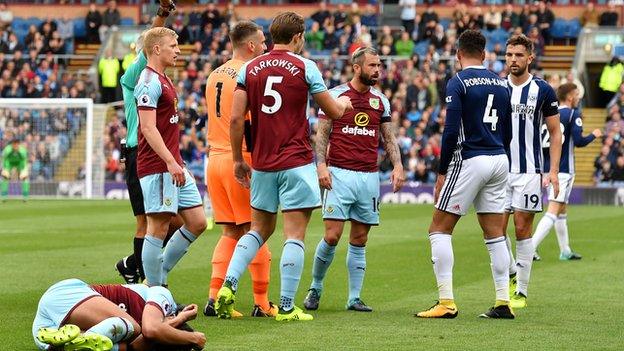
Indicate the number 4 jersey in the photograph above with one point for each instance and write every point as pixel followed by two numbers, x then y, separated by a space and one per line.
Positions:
pixel 477 117
pixel 277 86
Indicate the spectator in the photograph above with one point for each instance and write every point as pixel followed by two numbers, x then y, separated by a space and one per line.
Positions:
pixel 438 39
pixel 610 16
pixel 66 33
pixel 618 170
pixel 12 45
pixel 404 46
pixel 109 68
pixel 610 80
pixel 30 36
pixel 211 16
pixel 545 19
pixel 93 22
pixel 492 19
pixel 111 19
pixel 321 15
pixel 340 17
pixel 48 26
pixel 408 14
pixel 330 40
pixel 492 63
pixel 314 37
pixel 590 17
pixel 369 17
pixel 570 78
pixel 194 24
pixel 509 18
pixel 6 15
pixel 230 16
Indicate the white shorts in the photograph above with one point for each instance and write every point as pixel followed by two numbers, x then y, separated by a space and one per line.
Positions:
pixel 566 180
pixel 524 192
pixel 480 180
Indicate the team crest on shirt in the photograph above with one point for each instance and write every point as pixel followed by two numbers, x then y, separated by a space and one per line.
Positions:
pixel 167 202
pixel 374 103
pixel 329 209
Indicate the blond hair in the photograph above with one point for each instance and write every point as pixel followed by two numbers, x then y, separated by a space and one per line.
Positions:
pixel 154 37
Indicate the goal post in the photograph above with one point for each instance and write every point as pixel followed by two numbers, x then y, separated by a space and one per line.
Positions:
pixel 59 137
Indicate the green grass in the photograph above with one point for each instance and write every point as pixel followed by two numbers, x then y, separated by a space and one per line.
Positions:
pixel 572 305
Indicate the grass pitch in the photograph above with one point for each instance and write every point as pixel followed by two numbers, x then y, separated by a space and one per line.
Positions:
pixel 572 305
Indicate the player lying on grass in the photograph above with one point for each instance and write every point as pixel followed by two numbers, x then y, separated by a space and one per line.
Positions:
pixel 73 315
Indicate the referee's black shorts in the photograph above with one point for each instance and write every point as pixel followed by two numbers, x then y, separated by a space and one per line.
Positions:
pixel 132 182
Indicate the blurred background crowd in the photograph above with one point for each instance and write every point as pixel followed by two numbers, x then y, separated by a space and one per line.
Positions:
pixel 418 59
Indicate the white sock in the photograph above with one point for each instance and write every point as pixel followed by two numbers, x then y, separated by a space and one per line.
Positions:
pixel 561 228
pixel 442 259
pixel 543 227
pixel 524 253
pixel 499 262
pixel 512 262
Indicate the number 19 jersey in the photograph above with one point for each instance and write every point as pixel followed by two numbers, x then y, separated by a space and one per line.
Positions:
pixel 277 86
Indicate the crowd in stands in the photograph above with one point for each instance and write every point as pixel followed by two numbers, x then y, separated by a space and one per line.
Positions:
pixel 609 163
pixel 414 79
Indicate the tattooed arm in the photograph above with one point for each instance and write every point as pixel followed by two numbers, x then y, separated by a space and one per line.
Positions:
pixel 392 149
pixel 322 140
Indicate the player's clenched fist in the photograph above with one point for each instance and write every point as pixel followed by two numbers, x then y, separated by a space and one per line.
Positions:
pixel 346 102
pixel 167 4
pixel 199 340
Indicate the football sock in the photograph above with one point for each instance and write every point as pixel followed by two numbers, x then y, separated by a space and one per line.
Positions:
pixel 4 187
pixel 561 228
pixel 356 266
pixel 244 253
pixel 115 328
pixel 291 266
pixel 25 188
pixel 442 259
pixel 137 258
pixel 543 227
pixel 152 260
pixel 260 271
pixel 512 261
pixel 524 253
pixel 499 262
pixel 175 249
pixel 221 257
pixel 322 259
pixel 170 232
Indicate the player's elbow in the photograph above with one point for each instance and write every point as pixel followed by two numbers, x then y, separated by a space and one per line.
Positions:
pixel 150 331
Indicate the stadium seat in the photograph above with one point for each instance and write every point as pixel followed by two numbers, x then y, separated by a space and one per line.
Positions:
pixel 127 21
pixel 421 48
pixel 559 29
pixel 80 28
pixel 34 20
pixel 445 22
pixel 574 28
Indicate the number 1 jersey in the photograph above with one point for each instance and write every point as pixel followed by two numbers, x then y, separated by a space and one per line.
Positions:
pixel 220 88
pixel 277 86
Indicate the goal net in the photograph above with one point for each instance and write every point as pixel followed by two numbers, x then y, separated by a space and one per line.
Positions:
pixel 64 159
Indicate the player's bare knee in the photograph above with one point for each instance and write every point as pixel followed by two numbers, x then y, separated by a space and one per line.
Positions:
pixel 358 240
pixel 197 226
pixel 332 239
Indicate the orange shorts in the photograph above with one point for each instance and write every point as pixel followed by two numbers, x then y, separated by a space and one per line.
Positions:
pixel 230 200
